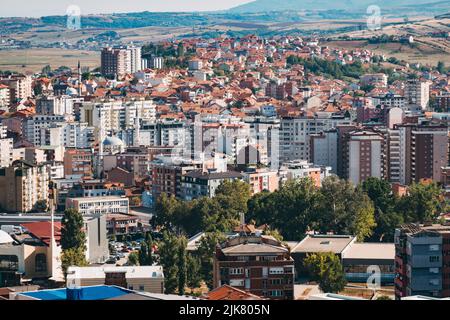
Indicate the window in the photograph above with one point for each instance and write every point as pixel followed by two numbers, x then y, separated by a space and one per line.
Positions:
pixel 434 247
pixel 434 282
pixel 236 270
pixel 434 258
pixel 236 282
pixel 434 270
pixel 276 293
pixel 276 281
pixel 276 271
pixel 40 264
pixel 141 288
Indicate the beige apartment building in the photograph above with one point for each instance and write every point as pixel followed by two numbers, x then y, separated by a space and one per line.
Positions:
pixel 22 185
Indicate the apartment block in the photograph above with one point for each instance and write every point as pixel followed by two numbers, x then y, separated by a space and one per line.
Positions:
pixel 260 265
pixel 22 185
pixel 366 156
pixel 99 205
pixel 422 260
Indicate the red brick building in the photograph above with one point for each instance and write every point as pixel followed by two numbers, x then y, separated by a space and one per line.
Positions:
pixel 258 264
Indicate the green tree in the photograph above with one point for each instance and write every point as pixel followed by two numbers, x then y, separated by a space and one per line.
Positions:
pixel 206 253
pixel 72 257
pixel 72 234
pixel 165 209
pixel 37 89
pixel 385 202
pixel 133 259
pixel 291 209
pixel 143 255
pixel 422 204
pixel 182 265
pixel 344 209
pixel 193 273
pixel 41 206
pixel 46 70
pixel 441 67
pixel 149 243
pixel 327 270
pixel 364 221
pixel 180 50
pixel 168 259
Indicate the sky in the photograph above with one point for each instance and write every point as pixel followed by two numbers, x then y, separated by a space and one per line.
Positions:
pixel 38 8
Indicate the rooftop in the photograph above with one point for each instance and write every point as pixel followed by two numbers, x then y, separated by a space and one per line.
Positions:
pixel 130 271
pixel 227 292
pixel 323 243
pixel 381 251
pixel 101 292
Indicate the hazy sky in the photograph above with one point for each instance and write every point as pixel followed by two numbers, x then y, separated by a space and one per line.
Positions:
pixel 37 8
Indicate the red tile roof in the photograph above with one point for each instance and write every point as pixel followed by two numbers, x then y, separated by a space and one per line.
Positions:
pixel 42 230
pixel 227 292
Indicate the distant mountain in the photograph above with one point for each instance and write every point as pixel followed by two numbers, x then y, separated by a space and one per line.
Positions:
pixel 346 5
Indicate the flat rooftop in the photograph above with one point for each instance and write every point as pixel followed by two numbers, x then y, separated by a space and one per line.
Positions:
pixel 102 292
pixel 376 251
pixel 130 271
pixel 323 243
pixel 86 293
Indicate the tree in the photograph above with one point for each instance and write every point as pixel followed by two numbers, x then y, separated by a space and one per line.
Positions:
pixel 37 90
pixel 290 209
pixel 233 196
pixel 344 209
pixel 206 252
pixel 364 221
pixel 165 208
pixel 387 217
pixel 182 265
pixel 143 255
pixel 72 257
pixel 180 50
pixel 133 259
pixel 46 70
pixel 193 273
pixel 135 201
pixel 441 67
pixel 149 243
pixel 41 205
pixel 422 204
pixel 72 234
pixel 168 259
pixel 327 270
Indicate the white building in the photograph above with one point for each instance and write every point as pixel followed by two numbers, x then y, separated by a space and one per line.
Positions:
pixel 115 115
pixel 365 156
pixel 417 92
pixel 139 278
pixel 324 149
pixel 99 205
pixel 6 148
pixel 295 134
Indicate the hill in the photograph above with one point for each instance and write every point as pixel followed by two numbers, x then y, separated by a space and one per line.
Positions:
pixel 387 6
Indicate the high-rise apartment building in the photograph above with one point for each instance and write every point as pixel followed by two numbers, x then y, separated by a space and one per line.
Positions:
pixel 417 152
pixel 366 156
pixel 295 134
pixel 22 185
pixel 422 261
pixel 120 61
pixel 417 92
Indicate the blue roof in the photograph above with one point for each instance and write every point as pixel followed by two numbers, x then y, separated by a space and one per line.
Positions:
pixel 86 293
